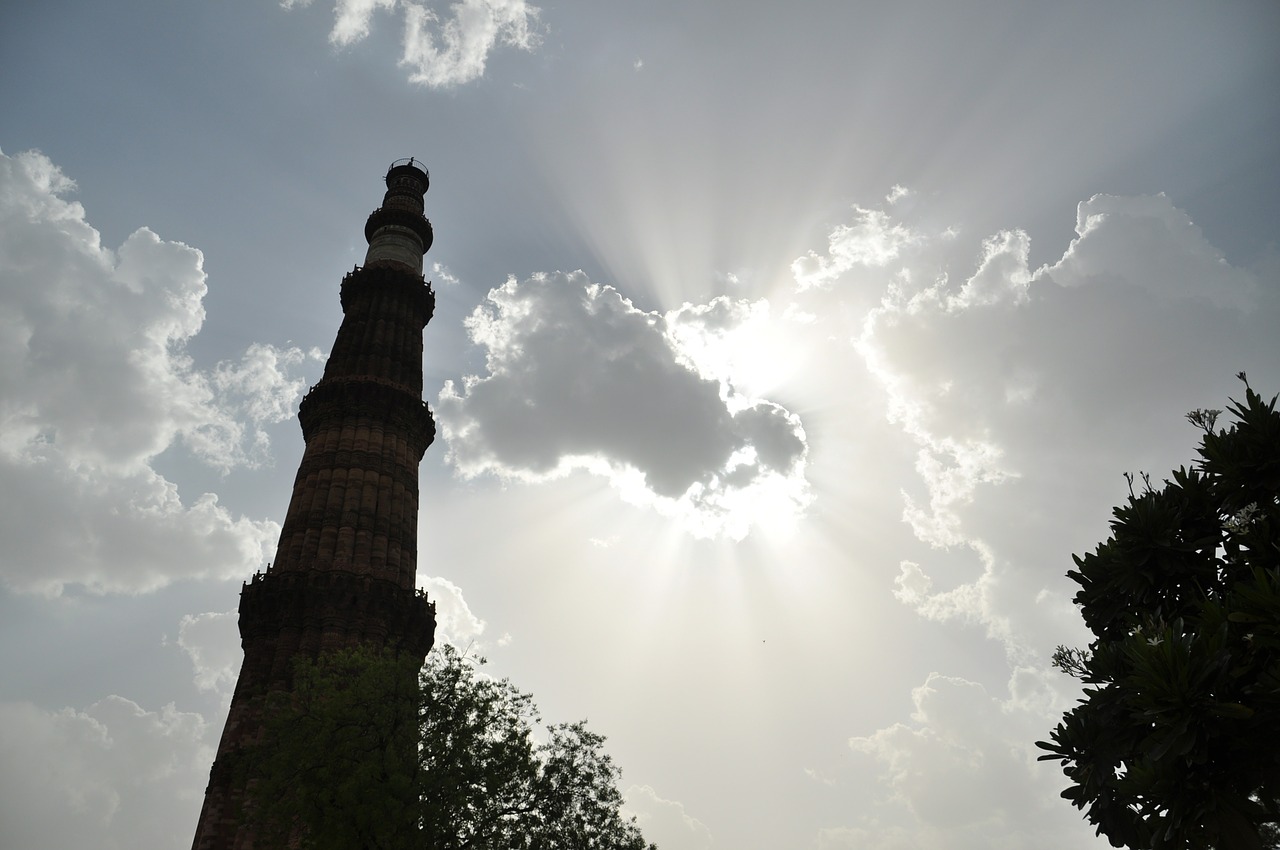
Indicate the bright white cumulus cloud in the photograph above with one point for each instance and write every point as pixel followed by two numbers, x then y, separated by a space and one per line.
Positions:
pixel 441 49
pixel 95 384
pixel 872 239
pixel 1027 393
pixel 579 378
pixel 1024 389
pixel 212 641
pixel 456 625
pixel 1149 243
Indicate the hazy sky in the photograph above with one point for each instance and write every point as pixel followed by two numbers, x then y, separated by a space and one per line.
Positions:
pixel 782 358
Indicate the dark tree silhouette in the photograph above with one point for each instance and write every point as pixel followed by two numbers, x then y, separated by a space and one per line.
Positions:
pixel 339 770
pixel 1176 742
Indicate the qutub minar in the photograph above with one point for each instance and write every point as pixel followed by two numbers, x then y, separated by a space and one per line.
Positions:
pixel 344 572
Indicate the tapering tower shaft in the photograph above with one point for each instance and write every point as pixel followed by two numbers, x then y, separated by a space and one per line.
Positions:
pixel 355 500
pixel 345 567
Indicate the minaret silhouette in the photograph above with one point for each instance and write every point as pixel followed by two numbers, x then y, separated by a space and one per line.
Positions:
pixel 344 571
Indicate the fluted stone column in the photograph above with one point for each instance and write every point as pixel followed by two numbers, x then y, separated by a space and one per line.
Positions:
pixel 345 567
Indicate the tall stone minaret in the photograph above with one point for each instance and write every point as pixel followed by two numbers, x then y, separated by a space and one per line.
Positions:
pixel 344 572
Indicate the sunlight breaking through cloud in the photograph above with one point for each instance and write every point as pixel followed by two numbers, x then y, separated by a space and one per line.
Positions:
pixel 873 239
pixel 1024 392
pixel 579 378
pixel 976 366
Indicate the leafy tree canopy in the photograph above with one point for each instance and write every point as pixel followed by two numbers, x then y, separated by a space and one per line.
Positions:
pixel 1175 744
pixel 339 770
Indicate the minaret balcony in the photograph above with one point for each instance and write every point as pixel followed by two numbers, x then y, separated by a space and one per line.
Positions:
pixel 390 216
pixel 333 401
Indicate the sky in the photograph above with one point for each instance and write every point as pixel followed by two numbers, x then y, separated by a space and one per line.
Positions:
pixel 782 358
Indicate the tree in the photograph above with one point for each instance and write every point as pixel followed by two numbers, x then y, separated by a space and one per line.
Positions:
pixel 339 770
pixel 1176 741
pixel 336 769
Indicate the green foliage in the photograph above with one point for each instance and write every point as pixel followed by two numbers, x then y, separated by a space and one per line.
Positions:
pixel 340 772
pixel 337 764
pixel 1176 742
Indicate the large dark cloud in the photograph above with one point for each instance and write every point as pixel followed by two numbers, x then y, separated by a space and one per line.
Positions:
pixel 581 378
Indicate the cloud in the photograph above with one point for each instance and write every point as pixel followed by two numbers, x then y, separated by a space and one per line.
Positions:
pixel 873 239
pixel 963 772
pixel 95 384
pixel 112 776
pixel 579 378
pixel 1147 242
pixel 457 51
pixel 455 623
pixel 665 822
pixel 1002 275
pixel 713 338
pixel 351 19
pixel 116 533
pixel 441 52
pixel 260 387
pixel 443 276
pixel 1027 393
pixel 212 642
pixel 897 193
